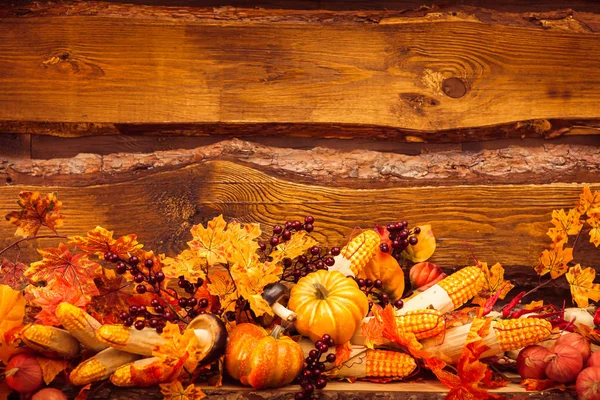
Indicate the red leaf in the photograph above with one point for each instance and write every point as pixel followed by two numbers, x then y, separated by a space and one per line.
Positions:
pixel 99 241
pixel 342 353
pixel 36 211
pixel 76 269
pixel 12 274
pixel 50 296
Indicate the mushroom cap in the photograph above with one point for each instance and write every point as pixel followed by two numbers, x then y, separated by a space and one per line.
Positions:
pixel 217 331
pixel 273 292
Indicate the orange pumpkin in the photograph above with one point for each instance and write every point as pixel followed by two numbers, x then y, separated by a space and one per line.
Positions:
pixel 424 275
pixel 262 360
pixel 328 303
pixel 385 267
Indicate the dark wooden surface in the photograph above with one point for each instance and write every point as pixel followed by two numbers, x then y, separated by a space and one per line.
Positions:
pixel 90 67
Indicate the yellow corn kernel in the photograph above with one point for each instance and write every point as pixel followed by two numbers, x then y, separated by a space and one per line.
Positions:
pixel 513 334
pixel 88 371
pixel 38 335
pixel 80 324
pixel 361 249
pixel 50 339
pixel 122 376
pixel 423 323
pixel 389 364
pixel 463 285
pixel 114 335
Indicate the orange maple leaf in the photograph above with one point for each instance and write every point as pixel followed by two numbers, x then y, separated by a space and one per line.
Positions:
pixel 210 242
pixel 175 391
pixel 51 368
pixel 115 294
pixel 541 384
pixel 186 264
pixel 76 269
pixel 594 222
pixel 494 282
pixel 554 261
pixel 50 296
pixel 471 371
pixel 569 223
pixel 582 285
pixel 342 353
pixel 222 286
pixel 99 241
pixel 12 311
pixel 37 211
pixel 12 274
pixel 588 202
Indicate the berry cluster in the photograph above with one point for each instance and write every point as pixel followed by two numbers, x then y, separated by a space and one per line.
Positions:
pixel 284 233
pixel 401 237
pixel 311 376
pixel 373 289
pixel 159 312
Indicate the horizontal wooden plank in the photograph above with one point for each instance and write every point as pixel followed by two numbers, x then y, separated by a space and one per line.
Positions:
pixel 350 75
pixel 503 223
pixel 15 146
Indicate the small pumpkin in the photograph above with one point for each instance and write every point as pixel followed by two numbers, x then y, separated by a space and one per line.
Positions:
pixel 262 360
pixel 424 275
pixel 327 302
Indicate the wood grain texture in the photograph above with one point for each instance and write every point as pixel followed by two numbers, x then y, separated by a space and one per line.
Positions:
pixel 14 146
pixel 503 223
pixel 346 166
pixel 429 76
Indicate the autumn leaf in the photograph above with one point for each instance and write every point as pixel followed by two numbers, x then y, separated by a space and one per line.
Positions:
pixel 12 274
pixel 539 385
pixel 298 244
pixel 569 223
pixel 590 334
pixel 51 368
pixel 243 235
pixel 99 241
pixel 12 311
pixel 554 261
pixel 76 269
pixel 186 264
pixel 175 391
pixel 582 286
pixel 223 287
pixel 588 202
pixel 115 294
pixel 82 395
pixel 50 296
pixel 179 348
pixel 37 211
pixel 534 305
pixel 494 282
pixel 342 353
pixel 594 222
pixel 424 248
pixel 5 390
pixel 210 242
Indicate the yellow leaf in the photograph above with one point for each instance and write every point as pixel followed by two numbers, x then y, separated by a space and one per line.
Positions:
pixel 594 221
pixel 179 348
pixel 210 242
pixel 494 282
pixel 554 261
pixel 12 311
pixel 175 391
pixel 36 211
pixel 569 223
pixel 222 286
pixel 298 244
pixel 258 305
pixel 588 201
pixel 582 286
pixel 424 248
pixel 51 368
pixel 243 235
pixel 99 241
pixel 533 305
pixel 187 263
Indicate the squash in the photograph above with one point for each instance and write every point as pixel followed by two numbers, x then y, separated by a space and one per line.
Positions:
pixel 262 360
pixel 327 302
pixel 424 275
pixel 385 267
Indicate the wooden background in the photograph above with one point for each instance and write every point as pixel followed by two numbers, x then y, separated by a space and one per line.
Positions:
pixel 479 117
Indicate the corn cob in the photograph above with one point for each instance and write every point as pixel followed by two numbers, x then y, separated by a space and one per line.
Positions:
pixel 377 364
pixel 50 339
pixel 360 250
pixel 449 293
pixel 100 366
pixel 129 339
pixel 81 325
pixel 423 323
pixel 504 335
pixel 145 372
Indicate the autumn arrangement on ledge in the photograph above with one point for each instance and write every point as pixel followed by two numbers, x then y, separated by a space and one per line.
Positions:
pixel 98 310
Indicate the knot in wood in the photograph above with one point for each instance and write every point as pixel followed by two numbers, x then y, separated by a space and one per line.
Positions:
pixel 454 87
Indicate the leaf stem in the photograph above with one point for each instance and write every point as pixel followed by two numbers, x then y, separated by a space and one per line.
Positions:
pixel 30 238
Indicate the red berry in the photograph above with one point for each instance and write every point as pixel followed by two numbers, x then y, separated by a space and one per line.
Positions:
pixel 398 304
pixel 160 276
pixel 274 241
pixel 286 235
pixel 417 230
pixel 139 325
pixel 192 302
pixel 159 329
pixel 297 225
pixel 128 322
pixel 318 344
pixel 413 240
pixel 159 309
pixel 141 289
pixel 308 388
pixel 203 303
pixel 329 261
pixel 155 303
pixel 331 357
pixel 262 245
pixel 142 309
pixel 384 247
pixel 299 396
pixel 149 263
pixel 309 227
pixel 139 278
pixel 325 338
pixel 331 342
pixel 133 260
pixel 121 269
pixel 302 259
pixel 114 257
pixel 361 282
pixel 183 302
pixel 277 229
pixel 315 250
pixel 124 316
pixel 313 354
pixel 323 348
pixel 335 251
pixel 320 383
pixel 133 310
pixel 309 219
pixel 107 255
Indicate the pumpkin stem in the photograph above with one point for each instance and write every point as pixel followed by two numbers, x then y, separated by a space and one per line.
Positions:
pixel 277 330
pixel 322 291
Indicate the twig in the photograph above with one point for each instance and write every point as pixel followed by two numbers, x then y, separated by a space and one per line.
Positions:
pixel 30 238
